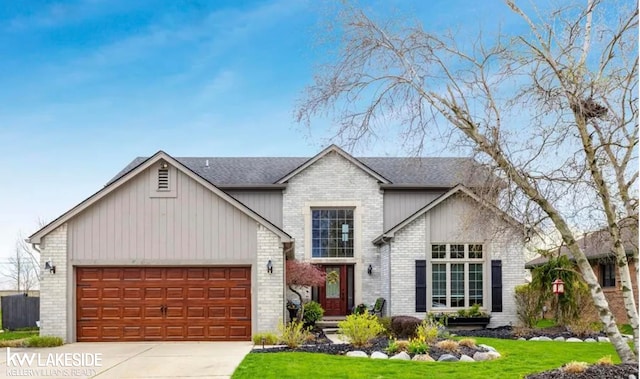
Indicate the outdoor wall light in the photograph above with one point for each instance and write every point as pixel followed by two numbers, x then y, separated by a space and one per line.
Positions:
pixel 269 267
pixel 369 270
pixel 48 265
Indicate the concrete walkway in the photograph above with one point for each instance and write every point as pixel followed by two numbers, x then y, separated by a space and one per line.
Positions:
pixel 132 360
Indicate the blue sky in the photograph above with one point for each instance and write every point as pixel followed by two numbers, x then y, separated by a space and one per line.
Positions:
pixel 87 85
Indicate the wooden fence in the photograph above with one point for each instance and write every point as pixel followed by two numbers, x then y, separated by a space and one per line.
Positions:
pixel 20 311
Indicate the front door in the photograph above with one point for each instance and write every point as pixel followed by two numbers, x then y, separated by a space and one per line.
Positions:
pixel 333 296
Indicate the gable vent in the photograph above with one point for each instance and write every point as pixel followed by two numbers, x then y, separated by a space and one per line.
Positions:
pixel 163 178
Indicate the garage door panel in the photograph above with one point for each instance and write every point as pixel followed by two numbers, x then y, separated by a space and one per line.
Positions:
pixel 160 303
pixel 111 275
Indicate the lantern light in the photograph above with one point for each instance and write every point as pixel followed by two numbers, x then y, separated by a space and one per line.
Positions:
pixel 558 287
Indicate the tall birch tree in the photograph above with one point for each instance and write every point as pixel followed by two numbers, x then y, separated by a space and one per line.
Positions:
pixel 553 111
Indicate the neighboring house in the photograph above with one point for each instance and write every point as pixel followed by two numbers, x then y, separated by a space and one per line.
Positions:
pixel 194 248
pixel 598 249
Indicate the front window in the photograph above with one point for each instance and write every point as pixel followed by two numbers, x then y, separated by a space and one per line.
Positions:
pixel 332 233
pixel 608 274
pixel 457 275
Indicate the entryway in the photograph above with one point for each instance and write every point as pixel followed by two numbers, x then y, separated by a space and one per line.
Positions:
pixel 337 295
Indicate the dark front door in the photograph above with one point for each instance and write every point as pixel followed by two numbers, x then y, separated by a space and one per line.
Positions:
pixel 333 296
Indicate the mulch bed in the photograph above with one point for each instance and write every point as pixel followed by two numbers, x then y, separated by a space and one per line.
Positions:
pixel 622 371
pixel 508 332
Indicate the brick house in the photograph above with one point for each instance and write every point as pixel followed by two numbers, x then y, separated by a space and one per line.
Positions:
pixel 597 247
pixel 194 248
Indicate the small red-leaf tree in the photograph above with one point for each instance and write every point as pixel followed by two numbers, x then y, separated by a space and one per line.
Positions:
pixel 303 274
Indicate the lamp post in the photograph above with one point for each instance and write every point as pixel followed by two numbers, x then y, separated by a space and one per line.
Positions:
pixel 558 289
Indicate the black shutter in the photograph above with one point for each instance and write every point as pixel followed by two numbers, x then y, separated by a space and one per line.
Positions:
pixel 421 285
pixel 496 285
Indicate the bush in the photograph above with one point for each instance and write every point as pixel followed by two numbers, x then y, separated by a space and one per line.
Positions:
pixel 575 367
pixel 43 341
pixel 448 345
pixel 269 338
pixel 418 346
pixel 386 324
pixel 527 305
pixel 360 328
pixel 468 342
pixel 605 361
pixel 392 347
pixel 312 312
pixel 428 331
pixel 293 334
pixel 404 326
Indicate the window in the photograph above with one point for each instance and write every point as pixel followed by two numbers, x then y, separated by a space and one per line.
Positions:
pixel 457 275
pixel 608 274
pixel 332 233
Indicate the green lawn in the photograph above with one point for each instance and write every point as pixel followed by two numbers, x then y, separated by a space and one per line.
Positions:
pixel 16 335
pixel 518 359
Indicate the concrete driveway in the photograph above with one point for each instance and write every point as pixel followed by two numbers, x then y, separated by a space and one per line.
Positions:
pixel 127 360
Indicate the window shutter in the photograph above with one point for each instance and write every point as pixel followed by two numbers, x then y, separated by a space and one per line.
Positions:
pixel 496 285
pixel 421 285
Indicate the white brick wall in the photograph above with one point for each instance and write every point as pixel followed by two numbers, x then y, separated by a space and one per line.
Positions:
pixel 53 287
pixel 385 277
pixel 407 246
pixel 269 287
pixel 508 248
pixel 335 180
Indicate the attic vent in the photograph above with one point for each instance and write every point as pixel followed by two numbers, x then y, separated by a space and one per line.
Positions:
pixel 163 178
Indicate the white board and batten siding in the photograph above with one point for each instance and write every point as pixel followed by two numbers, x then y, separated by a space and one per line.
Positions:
pixel 130 226
pixel 267 203
pixel 400 204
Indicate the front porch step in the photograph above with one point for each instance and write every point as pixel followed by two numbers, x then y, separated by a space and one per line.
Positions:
pixel 329 322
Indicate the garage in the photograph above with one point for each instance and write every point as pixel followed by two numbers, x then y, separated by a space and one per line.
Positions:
pixel 163 303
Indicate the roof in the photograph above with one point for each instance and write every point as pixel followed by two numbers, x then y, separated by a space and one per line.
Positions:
pixel 455 190
pixel 596 245
pixel 137 169
pixel 268 171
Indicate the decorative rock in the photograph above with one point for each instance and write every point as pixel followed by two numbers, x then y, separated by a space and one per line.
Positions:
pixel 494 354
pixel 603 339
pixel 357 354
pixel 487 347
pixel 559 339
pixel 631 376
pixel 422 358
pixel 574 339
pixel 534 339
pixel 379 355
pixel 522 339
pixel 590 340
pixel 480 356
pixel 401 356
pixel 466 358
pixel 448 358
pixel 544 338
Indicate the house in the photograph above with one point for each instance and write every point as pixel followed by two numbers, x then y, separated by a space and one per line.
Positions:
pixel 194 248
pixel 597 247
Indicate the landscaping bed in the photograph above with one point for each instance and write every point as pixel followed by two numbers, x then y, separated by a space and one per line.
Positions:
pixel 508 332
pixel 378 344
pixel 621 371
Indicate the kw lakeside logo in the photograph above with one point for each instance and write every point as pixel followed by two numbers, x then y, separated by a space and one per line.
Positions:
pixel 52 364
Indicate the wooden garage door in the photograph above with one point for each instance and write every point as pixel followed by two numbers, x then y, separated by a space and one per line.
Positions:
pixel 163 303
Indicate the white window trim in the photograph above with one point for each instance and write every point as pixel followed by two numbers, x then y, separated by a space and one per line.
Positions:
pixel 466 261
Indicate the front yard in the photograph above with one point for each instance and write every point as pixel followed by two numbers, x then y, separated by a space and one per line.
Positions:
pixel 519 358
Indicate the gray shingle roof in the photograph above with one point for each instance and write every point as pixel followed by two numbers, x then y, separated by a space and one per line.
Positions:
pixel 248 171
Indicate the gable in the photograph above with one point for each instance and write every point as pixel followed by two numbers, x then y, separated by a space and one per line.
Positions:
pixel 133 173
pixel 131 223
pixel 333 149
pixel 457 209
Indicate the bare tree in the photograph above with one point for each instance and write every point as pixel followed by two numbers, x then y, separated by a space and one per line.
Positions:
pixel 22 268
pixel 554 112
